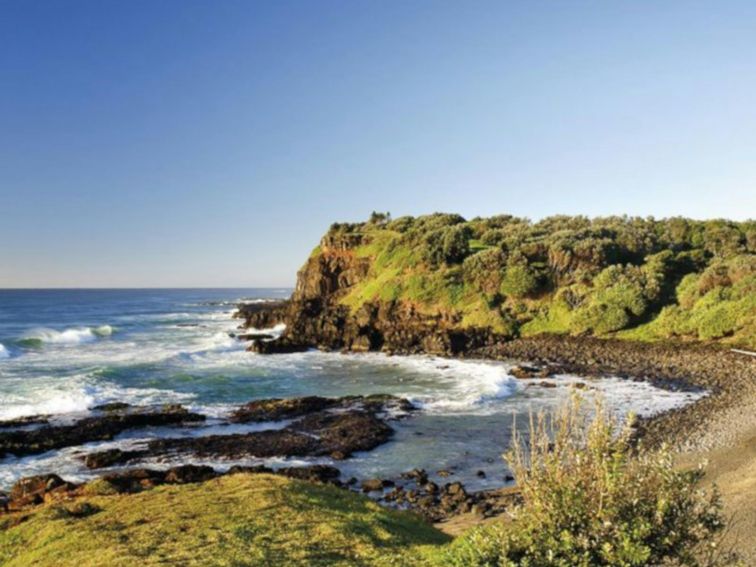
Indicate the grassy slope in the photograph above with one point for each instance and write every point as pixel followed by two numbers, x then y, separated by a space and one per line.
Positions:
pixel 234 520
pixel 648 300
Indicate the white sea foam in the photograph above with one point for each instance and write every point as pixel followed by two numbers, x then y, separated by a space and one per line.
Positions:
pixel 4 351
pixel 77 394
pixel 43 401
pixel 460 386
pixel 73 336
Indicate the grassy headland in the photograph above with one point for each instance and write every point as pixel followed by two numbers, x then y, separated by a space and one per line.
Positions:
pixel 635 278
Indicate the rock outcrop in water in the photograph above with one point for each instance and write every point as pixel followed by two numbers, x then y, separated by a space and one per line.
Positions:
pixel 103 427
pixel 320 427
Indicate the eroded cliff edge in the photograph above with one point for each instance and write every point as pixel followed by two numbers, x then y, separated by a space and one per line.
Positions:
pixel 317 316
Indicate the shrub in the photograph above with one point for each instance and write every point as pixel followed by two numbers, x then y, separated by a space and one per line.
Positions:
pixel 450 245
pixel 519 281
pixel 589 499
pixel 456 244
pixel 483 270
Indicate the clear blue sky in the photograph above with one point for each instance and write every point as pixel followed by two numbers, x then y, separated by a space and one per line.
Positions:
pixel 211 143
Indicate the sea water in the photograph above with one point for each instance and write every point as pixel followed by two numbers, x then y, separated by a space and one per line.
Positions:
pixel 64 351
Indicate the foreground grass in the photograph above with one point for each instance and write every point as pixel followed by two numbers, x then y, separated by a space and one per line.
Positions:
pixel 234 520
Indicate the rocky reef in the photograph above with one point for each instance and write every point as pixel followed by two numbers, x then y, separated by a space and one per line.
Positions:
pixel 110 421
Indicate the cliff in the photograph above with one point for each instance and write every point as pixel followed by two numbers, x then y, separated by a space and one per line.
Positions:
pixel 441 284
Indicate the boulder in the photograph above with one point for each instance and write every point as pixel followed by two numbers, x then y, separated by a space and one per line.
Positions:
pixel 372 485
pixel 189 473
pixel 32 489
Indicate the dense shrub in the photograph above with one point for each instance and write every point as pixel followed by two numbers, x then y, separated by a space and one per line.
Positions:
pixel 519 281
pixel 449 245
pixel 613 274
pixel 589 499
pixel 483 270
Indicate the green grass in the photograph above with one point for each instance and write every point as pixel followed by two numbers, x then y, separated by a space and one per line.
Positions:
pixel 235 520
pixel 554 318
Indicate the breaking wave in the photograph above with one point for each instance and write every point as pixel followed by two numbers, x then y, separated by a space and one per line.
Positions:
pixel 74 336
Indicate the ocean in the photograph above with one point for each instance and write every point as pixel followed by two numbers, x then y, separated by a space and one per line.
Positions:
pixel 64 351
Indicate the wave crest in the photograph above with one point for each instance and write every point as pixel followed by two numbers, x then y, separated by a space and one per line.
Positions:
pixel 73 336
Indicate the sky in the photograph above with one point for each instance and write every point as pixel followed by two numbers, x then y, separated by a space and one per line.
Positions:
pixel 182 143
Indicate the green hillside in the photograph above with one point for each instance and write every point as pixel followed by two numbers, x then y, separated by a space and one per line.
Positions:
pixel 637 278
pixel 232 521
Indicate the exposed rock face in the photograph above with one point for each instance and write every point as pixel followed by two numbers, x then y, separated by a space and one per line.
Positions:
pixel 314 317
pixel 96 428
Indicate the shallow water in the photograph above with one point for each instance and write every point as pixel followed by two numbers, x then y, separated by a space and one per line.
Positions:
pixel 64 351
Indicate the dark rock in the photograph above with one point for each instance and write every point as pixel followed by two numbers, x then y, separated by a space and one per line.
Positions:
pixel 110 457
pixel 345 432
pixel 112 406
pixel 262 315
pixel 254 336
pixel 281 345
pixel 96 428
pixel 256 469
pixel 134 480
pixel 443 473
pixel 189 473
pixel 372 485
pixel 263 444
pixel 481 474
pixel 278 409
pixel 312 473
pixel 23 421
pixel 523 372
pixel 317 434
pixel 418 475
pixel 33 489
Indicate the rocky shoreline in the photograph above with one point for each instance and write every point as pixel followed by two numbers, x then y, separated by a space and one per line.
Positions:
pixel 727 376
pixel 311 426
pixel 336 427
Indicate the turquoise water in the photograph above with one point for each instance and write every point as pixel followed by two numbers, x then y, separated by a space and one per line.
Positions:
pixel 64 351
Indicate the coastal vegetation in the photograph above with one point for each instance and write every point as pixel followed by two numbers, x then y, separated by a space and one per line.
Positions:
pixel 590 498
pixel 636 278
